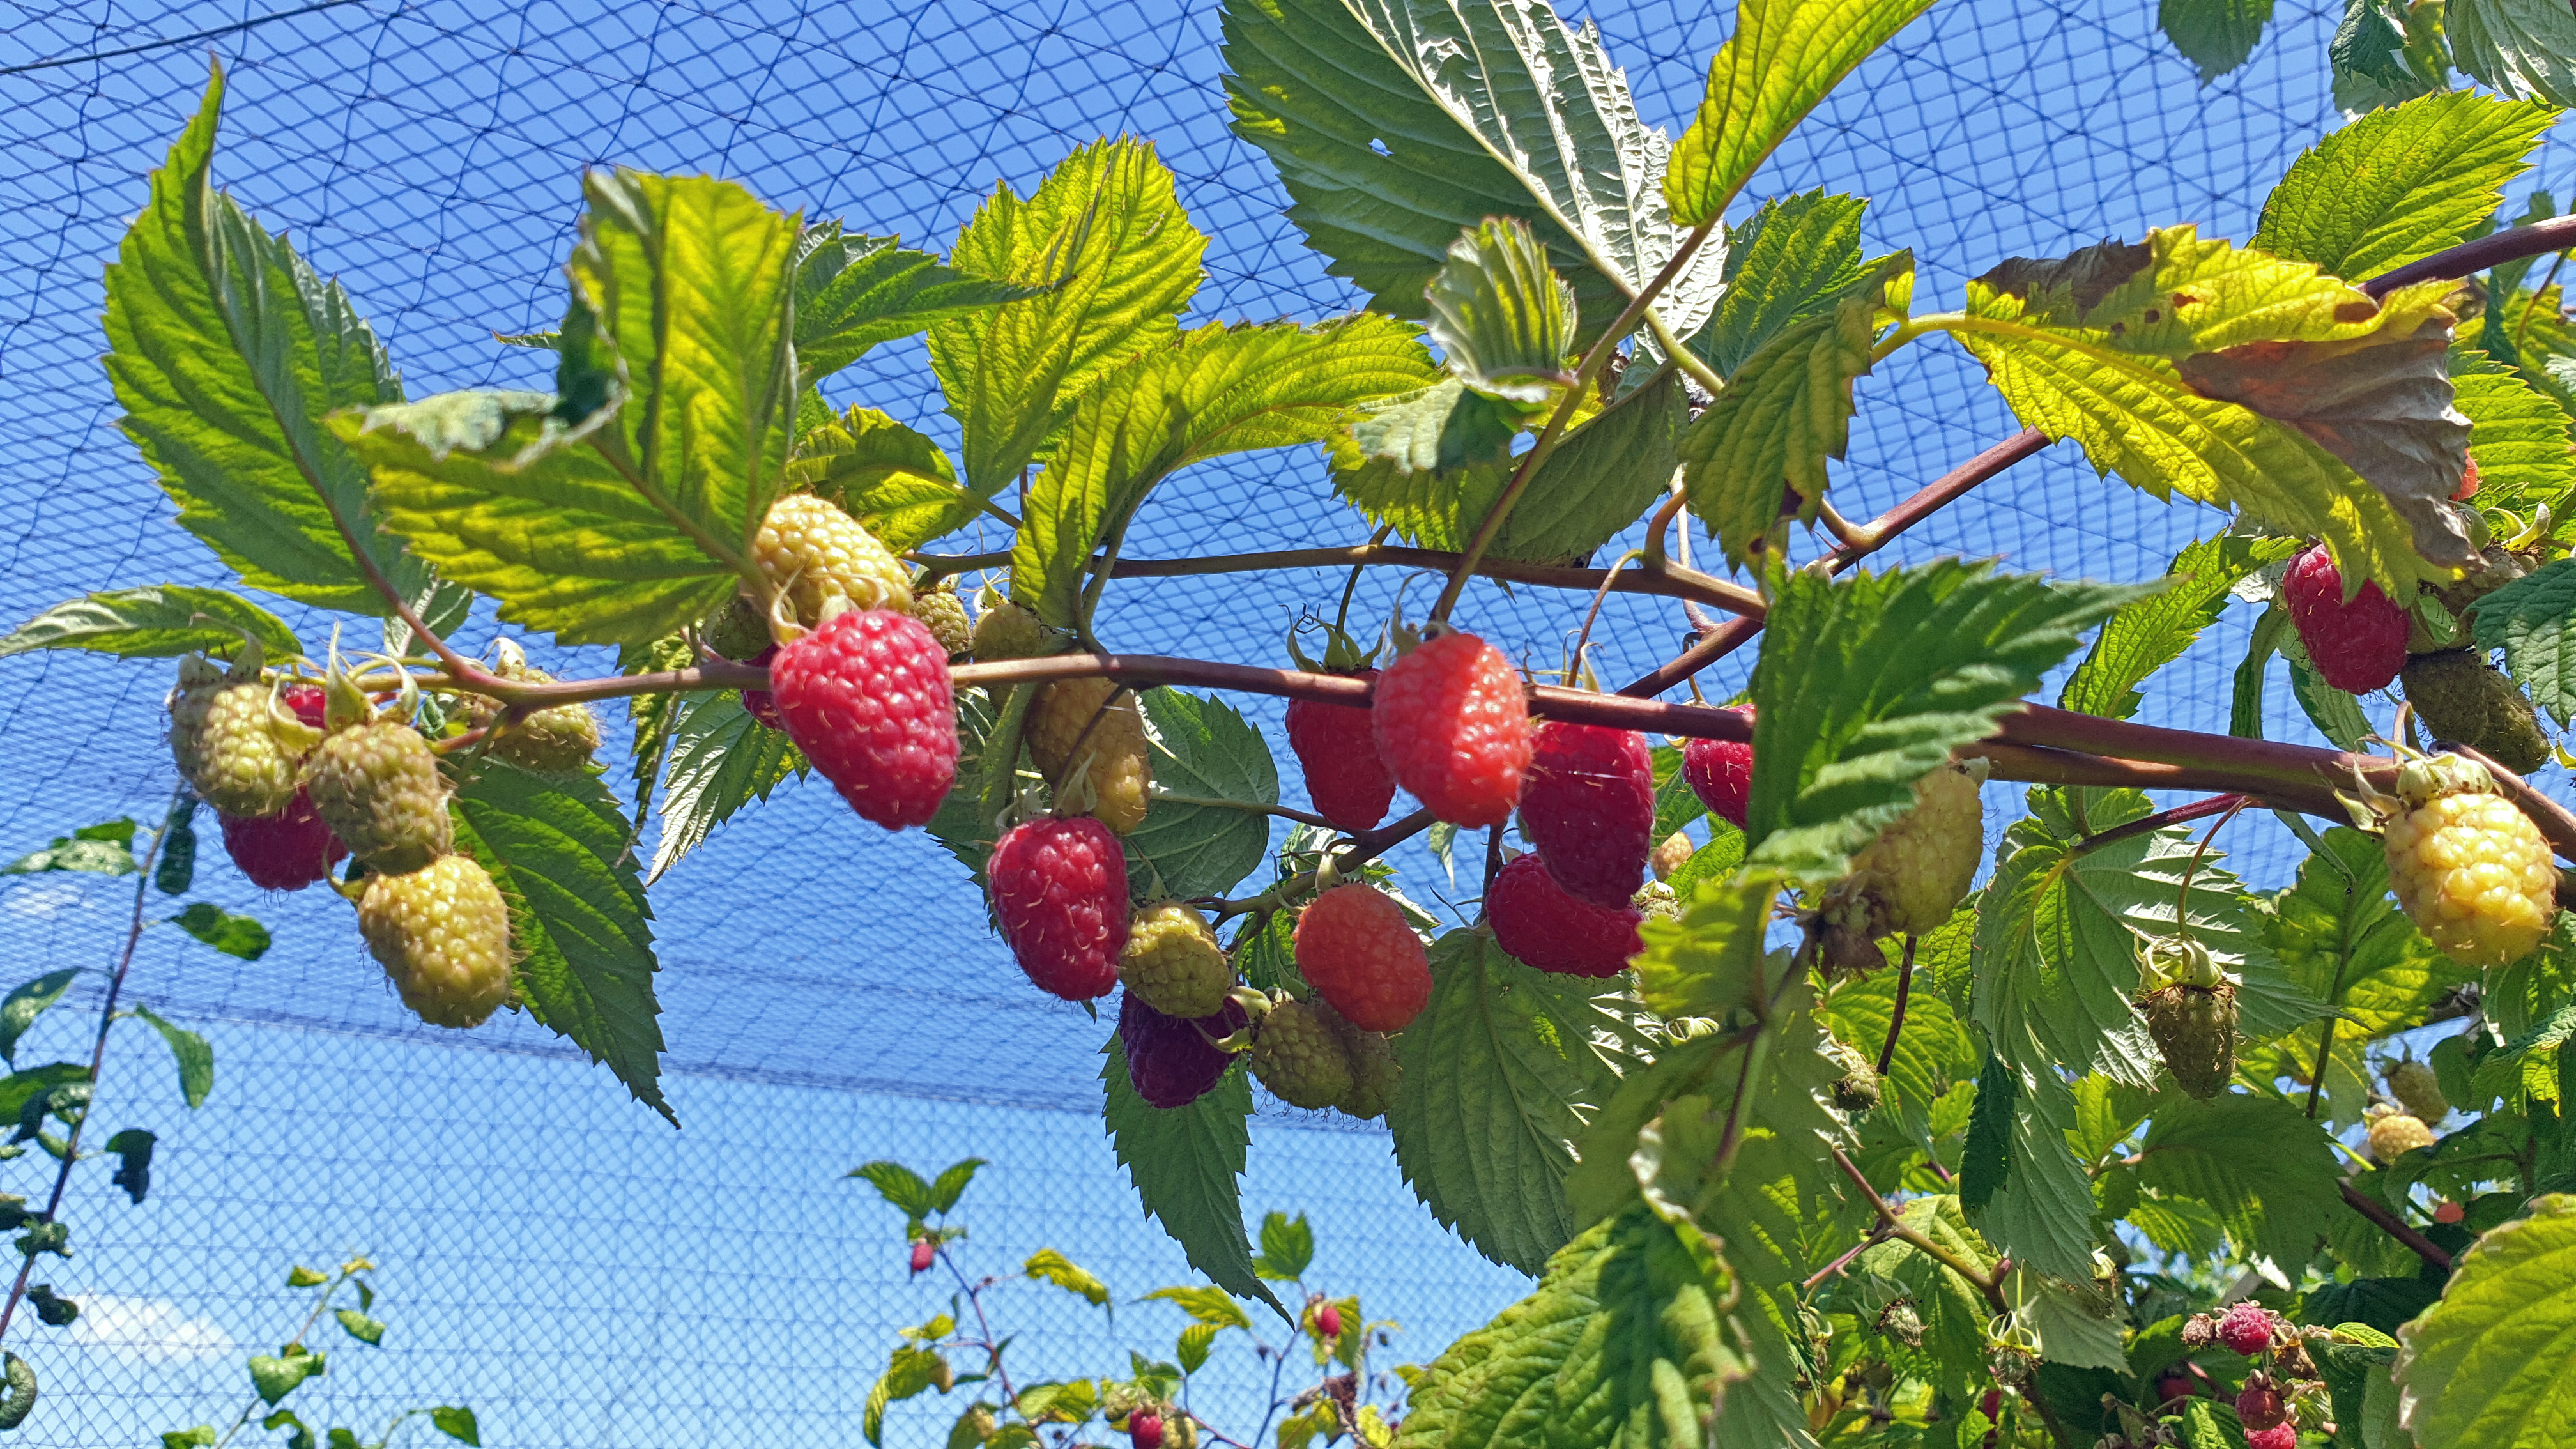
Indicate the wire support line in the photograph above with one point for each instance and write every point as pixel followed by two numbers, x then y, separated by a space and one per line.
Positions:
pixel 233 29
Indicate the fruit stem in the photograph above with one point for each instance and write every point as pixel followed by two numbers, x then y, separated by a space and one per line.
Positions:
pixel 1985 1283
pixel 1284 812
pixel 2395 1226
pixel 1883 530
pixel 1583 637
pixel 180 799
pixel 1896 1016
pixel 2149 824
pixel 1550 435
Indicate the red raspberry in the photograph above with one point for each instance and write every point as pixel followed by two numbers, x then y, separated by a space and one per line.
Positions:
pixel 1355 948
pixel 1328 1322
pixel 1720 773
pixel 2259 1406
pixel 306 700
pixel 2279 1436
pixel 1172 1061
pixel 866 697
pixel 1145 1429
pixel 760 704
pixel 1452 726
pixel 2468 488
pixel 2449 1212
pixel 2357 646
pixel 286 851
pixel 924 1252
pixel 1060 892
pixel 2174 1385
pixel 1540 924
pixel 1589 807
pixel 1337 747
pixel 2247 1328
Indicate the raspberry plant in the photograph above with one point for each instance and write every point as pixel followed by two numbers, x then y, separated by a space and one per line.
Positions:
pixel 1806 1143
pixel 1321 1385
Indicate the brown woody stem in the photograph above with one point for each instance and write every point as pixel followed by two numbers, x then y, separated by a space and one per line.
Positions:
pixel 2395 1226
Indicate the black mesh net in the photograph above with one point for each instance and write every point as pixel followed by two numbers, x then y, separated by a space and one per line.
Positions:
pixel 553 1254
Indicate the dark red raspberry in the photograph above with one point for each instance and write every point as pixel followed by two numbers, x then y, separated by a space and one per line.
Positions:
pixel 1145 1429
pixel 1541 925
pixel 1720 773
pixel 2279 1436
pixel 1060 892
pixel 866 697
pixel 2259 1406
pixel 760 704
pixel 1172 1061
pixel 286 851
pixel 2174 1385
pixel 1589 807
pixel 1356 949
pixel 2357 646
pixel 306 700
pixel 924 1252
pixel 1336 745
pixel 2247 1328
pixel 1452 725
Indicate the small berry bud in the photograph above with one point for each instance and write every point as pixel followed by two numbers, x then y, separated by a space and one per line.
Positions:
pixel 1328 1322
pixel 923 1251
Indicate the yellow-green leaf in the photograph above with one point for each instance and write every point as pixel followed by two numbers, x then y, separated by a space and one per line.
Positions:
pixel 1049 1266
pixel 885 475
pixel 2487 1366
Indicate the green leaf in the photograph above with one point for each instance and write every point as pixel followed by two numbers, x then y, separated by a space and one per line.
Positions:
pixel 1625 1341
pixel 1502 317
pixel 2058 931
pixel 1287 1247
pixel 1394 123
pixel 1204 1305
pixel 2343 941
pixel 1048 1265
pixel 2214 35
pixel 2267 1171
pixel 1710 960
pixel 951 1182
pixel 1215 391
pixel 2487 1366
pixel 1786 411
pixel 900 1186
pixel 2517 46
pixel 1501 1071
pixel 2518 437
pixel 890 478
pixel 719 760
pixel 457 1424
pixel 1202 748
pixel 1106 240
pixel 21 1007
pixel 2397 185
pixel 854 291
pixel 21 1087
pixel 1933 1051
pixel 2041 1210
pixel 1192 1348
pixel 2528 619
pixel 176 870
pixel 1187 1164
pixel 96 849
pixel 226 351
pixel 2324 380
pixel 623 509
pixel 194 1055
pixel 1783 58
pixel 276 1376
pixel 1988 1157
pixel 237 936
pixel 2151 632
pixel 300 1276
pixel 1788 262
pixel 360 1327
pixel 132 1149
pixel 154 622
pixel 556 846
pixel 1867 683
pixel 2382 1303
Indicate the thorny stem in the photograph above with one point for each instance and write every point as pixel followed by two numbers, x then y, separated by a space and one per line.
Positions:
pixel 1985 1283
pixel 1876 1235
pixel 1896 1017
pixel 2395 1226
pixel 992 1351
pixel 1584 377
pixel 98 1049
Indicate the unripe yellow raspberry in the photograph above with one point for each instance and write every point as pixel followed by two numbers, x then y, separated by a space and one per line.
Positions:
pixel 1004 630
pixel 1173 962
pixel 2413 1084
pixel 815 554
pixel 1924 863
pixel 235 742
pixel 1672 854
pixel 2471 870
pixel 442 933
pixel 945 615
pixel 1069 725
pixel 2397 1134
